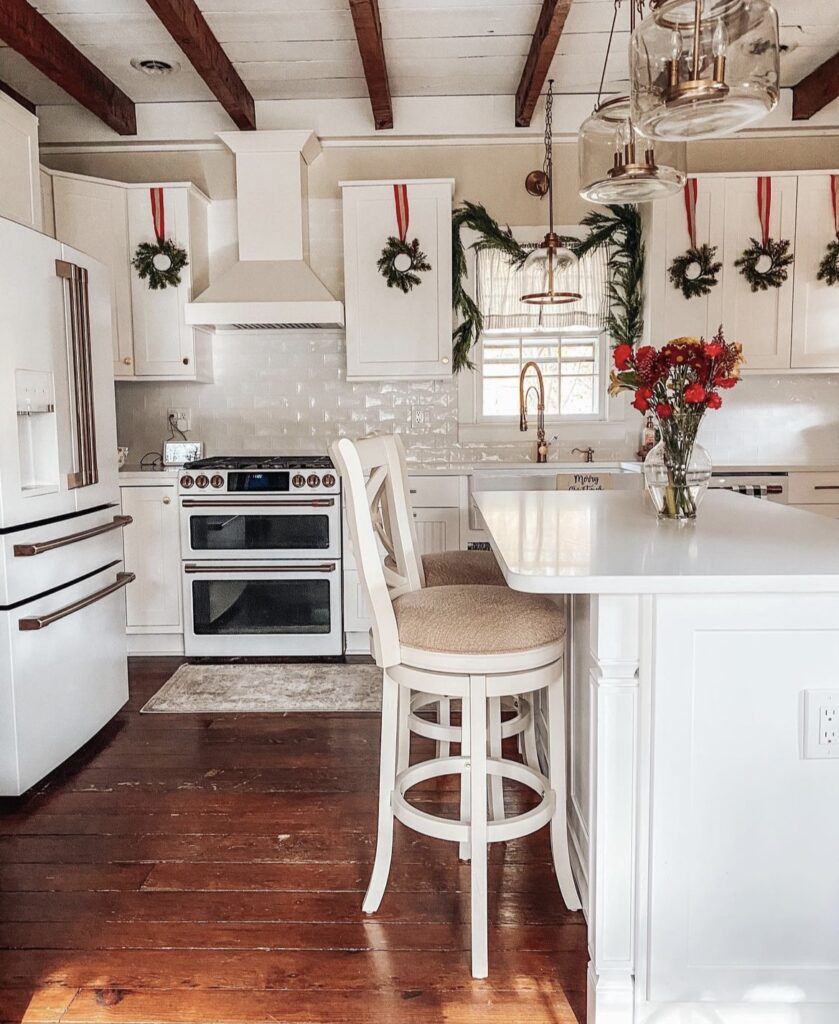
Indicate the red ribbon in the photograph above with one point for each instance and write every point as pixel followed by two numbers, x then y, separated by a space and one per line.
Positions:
pixel 691 192
pixel 158 214
pixel 403 213
pixel 834 200
pixel 764 205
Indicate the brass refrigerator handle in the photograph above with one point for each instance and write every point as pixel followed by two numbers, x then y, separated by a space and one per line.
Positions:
pixel 191 568
pixel 246 505
pixel 42 621
pixel 36 548
pixel 87 472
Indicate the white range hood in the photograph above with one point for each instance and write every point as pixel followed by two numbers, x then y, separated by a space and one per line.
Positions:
pixel 271 286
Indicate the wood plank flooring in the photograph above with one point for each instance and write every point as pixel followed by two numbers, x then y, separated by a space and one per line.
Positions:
pixel 210 868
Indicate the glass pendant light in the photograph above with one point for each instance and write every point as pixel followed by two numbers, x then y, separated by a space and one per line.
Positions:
pixel 704 68
pixel 618 164
pixel 551 267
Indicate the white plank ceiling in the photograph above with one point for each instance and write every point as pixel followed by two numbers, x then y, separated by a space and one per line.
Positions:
pixel 306 49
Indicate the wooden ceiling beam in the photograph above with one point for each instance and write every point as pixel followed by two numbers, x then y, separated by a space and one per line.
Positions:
pixel 17 97
pixel 542 49
pixel 368 31
pixel 188 27
pixel 815 91
pixel 29 32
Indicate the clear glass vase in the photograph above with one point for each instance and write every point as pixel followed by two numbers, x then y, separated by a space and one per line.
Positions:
pixel 677 472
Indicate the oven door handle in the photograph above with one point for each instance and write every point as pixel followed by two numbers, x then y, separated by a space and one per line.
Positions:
pixel 247 504
pixel 26 550
pixel 42 621
pixel 191 568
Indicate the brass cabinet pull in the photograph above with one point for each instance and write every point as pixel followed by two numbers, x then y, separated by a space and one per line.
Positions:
pixel 279 503
pixel 38 548
pixel 191 568
pixel 826 487
pixel 42 621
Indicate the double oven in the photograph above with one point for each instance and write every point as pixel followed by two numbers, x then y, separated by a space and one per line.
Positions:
pixel 261 557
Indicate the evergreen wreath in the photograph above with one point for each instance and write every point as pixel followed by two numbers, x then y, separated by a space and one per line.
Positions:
pixel 779 259
pixel 829 266
pixel 619 230
pixel 160 262
pixel 409 277
pixel 700 284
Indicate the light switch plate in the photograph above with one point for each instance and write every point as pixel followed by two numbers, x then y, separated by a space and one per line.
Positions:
pixel 821 724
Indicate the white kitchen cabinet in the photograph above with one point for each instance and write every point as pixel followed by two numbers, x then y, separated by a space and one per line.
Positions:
pixel 392 335
pixel 153 553
pixel 815 322
pixel 47 208
pixel 92 215
pixel 20 195
pixel 438 529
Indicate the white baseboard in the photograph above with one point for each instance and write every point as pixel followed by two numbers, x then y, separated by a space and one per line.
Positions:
pixel 155 643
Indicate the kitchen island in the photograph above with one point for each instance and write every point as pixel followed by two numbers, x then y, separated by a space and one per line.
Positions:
pixel 703 789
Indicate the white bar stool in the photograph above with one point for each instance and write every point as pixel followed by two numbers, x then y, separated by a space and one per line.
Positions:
pixel 473 643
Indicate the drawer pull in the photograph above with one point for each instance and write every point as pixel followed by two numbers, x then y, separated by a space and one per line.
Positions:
pixel 42 621
pixel 26 550
pixel 826 487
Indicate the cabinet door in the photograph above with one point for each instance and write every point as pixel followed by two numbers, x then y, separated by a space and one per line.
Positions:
pixel 438 529
pixel 816 306
pixel 674 315
pixel 20 196
pixel 47 207
pixel 152 551
pixel 761 320
pixel 92 216
pixel 163 343
pixel 390 334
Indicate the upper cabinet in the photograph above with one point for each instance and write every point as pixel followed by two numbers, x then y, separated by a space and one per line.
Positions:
pixel 109 220
pixel 20 194
pixel 787 328
pixel 392 334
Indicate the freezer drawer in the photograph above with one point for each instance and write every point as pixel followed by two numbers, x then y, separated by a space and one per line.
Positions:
pixel 39 558
pixel 63 674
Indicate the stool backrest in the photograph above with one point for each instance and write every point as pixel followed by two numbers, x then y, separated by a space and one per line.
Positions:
pixel 396 441
pixel 378 517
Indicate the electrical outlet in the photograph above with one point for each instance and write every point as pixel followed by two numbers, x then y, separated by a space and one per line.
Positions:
pixel 821 724
pixel 182 418
pixel 417 416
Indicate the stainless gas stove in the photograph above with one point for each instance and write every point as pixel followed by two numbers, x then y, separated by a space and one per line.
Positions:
pixel 261 551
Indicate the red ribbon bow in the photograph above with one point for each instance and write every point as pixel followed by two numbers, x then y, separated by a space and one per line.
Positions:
pixel 403 213
pixel 691 192
pixel 834 200
pixel 158 214
pixel 764 206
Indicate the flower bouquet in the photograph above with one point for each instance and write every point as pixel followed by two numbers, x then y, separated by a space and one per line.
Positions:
pixel 677 383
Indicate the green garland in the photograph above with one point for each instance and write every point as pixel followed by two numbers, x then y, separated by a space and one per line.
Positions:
pixel 164 276
pixel 829 266
pixel 620 230
pixel 779 259
pixel 403 279
pixel 703 258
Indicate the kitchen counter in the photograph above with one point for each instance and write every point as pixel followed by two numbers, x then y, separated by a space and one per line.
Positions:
pixel 134 474
pixel 701 673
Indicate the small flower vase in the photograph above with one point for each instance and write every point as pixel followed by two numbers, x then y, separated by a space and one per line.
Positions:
pixel 677 472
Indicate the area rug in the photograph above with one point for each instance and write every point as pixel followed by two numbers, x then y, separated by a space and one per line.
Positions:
pixel 266 688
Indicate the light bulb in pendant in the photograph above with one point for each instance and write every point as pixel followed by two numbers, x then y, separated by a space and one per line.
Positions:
pixel 676 45
pixel 719 43
pixel 623 137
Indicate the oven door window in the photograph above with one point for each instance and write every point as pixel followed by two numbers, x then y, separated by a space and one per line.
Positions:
pixel 259 532
pixel 231 606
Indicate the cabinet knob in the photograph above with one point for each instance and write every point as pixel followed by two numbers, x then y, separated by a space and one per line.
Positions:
pixel 167 501
pixel 445 360
pixel 127 360
pixel 186 361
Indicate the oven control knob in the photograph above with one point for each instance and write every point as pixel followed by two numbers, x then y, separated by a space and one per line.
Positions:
pixel 217 481
pixel 314 480
pixel 187 481
pixel 201 481
pixel 328 480
pixel 298 480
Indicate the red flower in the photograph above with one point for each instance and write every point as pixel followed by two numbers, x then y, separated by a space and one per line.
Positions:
pixel 713 350
pixel 694 394
pixel 623 356
pixel 714 401
pixel 642 399
pixel 726 382
pixel 664 411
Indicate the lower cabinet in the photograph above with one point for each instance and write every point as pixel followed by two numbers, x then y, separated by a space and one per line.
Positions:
pixel 153 553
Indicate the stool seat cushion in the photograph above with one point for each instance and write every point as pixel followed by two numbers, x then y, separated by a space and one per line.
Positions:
pixel 476 620
pixel 450 568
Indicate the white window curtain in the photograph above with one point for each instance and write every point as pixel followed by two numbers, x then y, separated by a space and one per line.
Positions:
pixel 500 287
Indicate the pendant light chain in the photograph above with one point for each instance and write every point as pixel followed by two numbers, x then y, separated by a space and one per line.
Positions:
pixel 548 164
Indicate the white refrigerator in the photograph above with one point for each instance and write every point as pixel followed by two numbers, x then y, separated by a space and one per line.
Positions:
pixel 63 669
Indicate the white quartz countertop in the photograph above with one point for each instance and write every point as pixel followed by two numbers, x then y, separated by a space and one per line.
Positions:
pixel 610 542
pixel 131 474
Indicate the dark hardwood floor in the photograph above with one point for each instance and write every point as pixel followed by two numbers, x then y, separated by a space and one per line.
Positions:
pixel 210 868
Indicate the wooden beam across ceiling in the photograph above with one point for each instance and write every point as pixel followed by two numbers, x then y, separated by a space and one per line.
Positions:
pixel 29 32
pixel 368 30
pixel 542 49
pixel 187 26
pixel 815 91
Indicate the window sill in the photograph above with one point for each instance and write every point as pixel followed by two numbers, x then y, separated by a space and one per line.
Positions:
pixel 585 430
